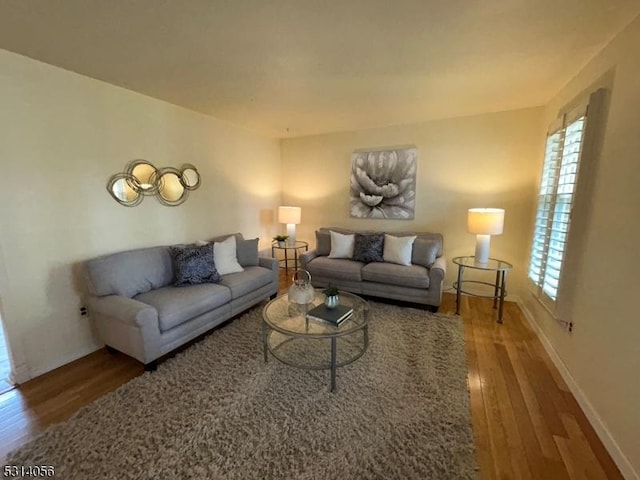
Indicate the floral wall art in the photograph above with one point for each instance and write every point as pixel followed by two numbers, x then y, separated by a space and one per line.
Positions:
pixel 383 183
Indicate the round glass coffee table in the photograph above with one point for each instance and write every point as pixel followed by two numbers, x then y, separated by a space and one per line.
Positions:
pixel 302 342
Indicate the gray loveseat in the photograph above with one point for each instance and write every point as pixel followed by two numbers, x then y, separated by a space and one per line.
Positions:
pixel 421 282
pixel 139 312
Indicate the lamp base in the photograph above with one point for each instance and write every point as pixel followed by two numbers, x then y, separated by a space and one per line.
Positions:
pixel 291 233
pixel 482 249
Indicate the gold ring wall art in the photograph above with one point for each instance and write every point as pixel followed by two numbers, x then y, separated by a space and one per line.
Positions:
pixel 171 186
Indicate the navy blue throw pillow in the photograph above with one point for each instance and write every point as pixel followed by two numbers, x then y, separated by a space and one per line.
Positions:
pixel 194 265
pixel 368 247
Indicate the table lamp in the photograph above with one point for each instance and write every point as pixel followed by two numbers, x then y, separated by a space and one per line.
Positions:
pixel 291 216
pixel 484 222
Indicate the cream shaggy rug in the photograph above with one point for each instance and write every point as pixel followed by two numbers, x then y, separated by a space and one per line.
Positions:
pixel 217 411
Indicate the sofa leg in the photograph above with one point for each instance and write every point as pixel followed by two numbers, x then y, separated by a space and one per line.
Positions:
pixel 273 296
pixel 151 366
pixel 110 349
pixel 433 308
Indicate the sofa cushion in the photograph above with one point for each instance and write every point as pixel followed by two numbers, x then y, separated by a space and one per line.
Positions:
pixel 244 248
pixel 414 276
pixel 338 268
pixel 129 273
pixel 224 254
pixel 424 252
pixel 368 247
pixel 341 245
pixel 177 305
pixel 241 283
pixel 436 237
pixel 344 231
pixel 398 249
pixel 247 252
pixel 193 265
pixel 323 243
pixel 222 238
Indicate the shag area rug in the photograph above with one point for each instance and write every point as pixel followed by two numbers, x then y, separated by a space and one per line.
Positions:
pixel 218 411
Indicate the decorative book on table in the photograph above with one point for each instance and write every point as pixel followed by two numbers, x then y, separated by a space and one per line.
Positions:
pixel 332 315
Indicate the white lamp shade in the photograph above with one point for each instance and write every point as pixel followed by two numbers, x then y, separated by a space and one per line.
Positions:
pixel 289 215
pixel 485 221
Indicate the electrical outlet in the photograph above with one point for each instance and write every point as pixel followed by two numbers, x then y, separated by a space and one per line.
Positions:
pixel 83 311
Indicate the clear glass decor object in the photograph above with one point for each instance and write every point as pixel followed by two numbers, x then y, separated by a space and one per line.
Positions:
pixel 301 290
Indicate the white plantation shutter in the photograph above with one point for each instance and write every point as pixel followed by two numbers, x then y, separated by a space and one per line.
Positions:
pixel 543 215
pixel 555 203
pixel 561 220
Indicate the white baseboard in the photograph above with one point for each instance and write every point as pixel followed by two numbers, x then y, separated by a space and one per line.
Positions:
pixel 19 374
pixel 620 459
pixel 512 297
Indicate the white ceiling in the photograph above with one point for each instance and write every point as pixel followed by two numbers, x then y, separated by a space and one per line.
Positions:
pixel 299 67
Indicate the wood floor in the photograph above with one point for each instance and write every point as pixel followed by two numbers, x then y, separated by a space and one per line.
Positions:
pixel 526 422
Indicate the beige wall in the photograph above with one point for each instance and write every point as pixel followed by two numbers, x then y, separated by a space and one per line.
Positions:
pixel 602 354
pixel 490 160
pixel 63 136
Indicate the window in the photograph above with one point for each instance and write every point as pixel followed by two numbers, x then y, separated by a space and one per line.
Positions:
pixel 555 203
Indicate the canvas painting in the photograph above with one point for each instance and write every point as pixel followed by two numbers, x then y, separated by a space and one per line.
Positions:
pixel 383 183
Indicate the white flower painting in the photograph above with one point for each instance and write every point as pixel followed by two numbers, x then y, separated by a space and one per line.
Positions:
pixel 383 183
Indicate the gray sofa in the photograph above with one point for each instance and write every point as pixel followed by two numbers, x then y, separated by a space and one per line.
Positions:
pixel 415 283
pixel 139 312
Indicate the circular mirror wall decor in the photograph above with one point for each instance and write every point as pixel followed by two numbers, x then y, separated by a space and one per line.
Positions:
pixel 171 191
pixel 190 177
pixel 119 187
pixel 170 185
pixel 143 177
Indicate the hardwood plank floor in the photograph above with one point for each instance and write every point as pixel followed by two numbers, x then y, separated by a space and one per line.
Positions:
pixel 526 422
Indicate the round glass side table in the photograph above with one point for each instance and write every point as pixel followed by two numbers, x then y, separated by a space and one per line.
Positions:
pixel 291 253
pixel 499 286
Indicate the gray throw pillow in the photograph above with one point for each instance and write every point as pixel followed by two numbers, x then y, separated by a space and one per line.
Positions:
pixel 323 243
pixel 247 252
pixel 193 265
pixel 424 252
pixel 368 247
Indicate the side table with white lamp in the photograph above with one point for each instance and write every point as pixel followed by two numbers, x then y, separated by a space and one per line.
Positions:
pixel 499 286
pixel 484 222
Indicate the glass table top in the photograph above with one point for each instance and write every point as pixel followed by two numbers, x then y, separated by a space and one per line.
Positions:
pixel 298 244
pixel 493 263
pixel 290 318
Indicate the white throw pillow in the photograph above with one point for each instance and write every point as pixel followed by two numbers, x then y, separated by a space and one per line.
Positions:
pixel 224 256
pixel 341 245
pixel 398 249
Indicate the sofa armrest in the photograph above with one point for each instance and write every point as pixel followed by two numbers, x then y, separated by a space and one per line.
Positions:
pixel 273 265
pixel 438 271
pixel 268 262
pixel 125 309
pixel 306 257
